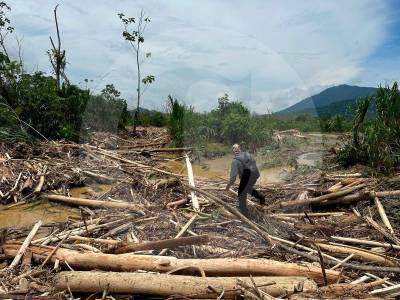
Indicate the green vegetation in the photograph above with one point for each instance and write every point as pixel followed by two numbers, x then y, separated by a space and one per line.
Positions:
pixel 42 106
pixel 38 108
pixel 376 141
pixel 231 122
pixel 176 121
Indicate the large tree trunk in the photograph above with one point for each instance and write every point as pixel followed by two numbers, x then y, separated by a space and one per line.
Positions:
pixel 168 285
pixel 212 267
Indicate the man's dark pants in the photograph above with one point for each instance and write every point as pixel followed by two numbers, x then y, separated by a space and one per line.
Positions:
pixel 247 181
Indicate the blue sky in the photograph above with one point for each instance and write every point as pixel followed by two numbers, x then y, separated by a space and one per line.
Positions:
pixel 268 54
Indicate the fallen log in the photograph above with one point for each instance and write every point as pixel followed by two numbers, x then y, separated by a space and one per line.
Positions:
pixel 90 202
pixel 93 240
pixel 365 242
pixel 310 214
pixel 383 215
pixel 175 204
pixel 100 178
pixel 340 291
pixel 359 196
pixel 168 285
pixel 387 193
pixel 168 182
pixel 25 245
pixel 212 267
pixel 390 237
pixel 195 201
pixel 170 149
pixel 181 232
pixel 159 245
pixel 360 254
pixel 360 267
pixel 39 187
pixel 320 199
pixel 335 188
pixel 387 292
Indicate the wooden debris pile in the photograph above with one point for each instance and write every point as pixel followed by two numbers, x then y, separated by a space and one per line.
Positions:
pixel 158 231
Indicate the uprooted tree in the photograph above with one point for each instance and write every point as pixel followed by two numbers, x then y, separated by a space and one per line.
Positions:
pixel 133 34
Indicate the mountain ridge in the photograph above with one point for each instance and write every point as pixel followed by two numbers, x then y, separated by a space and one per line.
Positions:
pixel 328 101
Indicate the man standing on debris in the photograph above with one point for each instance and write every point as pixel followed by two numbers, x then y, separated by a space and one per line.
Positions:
pixel 244 165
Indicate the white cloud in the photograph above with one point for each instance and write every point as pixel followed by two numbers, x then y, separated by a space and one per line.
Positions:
pixel 268 54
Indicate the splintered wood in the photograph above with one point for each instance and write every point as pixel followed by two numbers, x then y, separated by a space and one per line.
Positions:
pixel 148 227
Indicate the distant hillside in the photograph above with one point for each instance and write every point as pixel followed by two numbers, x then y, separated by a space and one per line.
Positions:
pixel 332 101
pixel 141 111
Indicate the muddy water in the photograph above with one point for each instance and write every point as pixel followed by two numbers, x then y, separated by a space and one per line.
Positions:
pixel 219 168
pixel 222 165
pixel 90 191
pixel 27 214
pixel 310 159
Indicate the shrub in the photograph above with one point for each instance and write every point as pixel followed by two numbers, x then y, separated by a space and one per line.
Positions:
pixel 376 142
pixel 176 121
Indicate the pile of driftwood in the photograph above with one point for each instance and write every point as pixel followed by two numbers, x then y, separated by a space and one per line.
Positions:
pixel 162 232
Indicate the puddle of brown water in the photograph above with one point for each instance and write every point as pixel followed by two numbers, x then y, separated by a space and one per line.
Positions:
pixel 89 191
pixel 27 214
pixel 310 159
pixel 220 167
pixel 179 167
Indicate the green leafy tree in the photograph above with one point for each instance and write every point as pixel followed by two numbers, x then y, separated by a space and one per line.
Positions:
pixel 133 34
pixel 106 112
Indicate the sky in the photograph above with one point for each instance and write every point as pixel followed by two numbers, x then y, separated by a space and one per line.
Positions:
pixel 267 54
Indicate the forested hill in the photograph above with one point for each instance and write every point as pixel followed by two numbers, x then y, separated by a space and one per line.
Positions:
pixel 331 101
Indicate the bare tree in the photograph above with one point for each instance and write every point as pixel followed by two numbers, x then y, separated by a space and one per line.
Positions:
pixel 20 53
pixel 135 38
pixel 57 56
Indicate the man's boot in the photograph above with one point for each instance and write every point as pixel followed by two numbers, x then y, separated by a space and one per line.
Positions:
pixel 256 194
